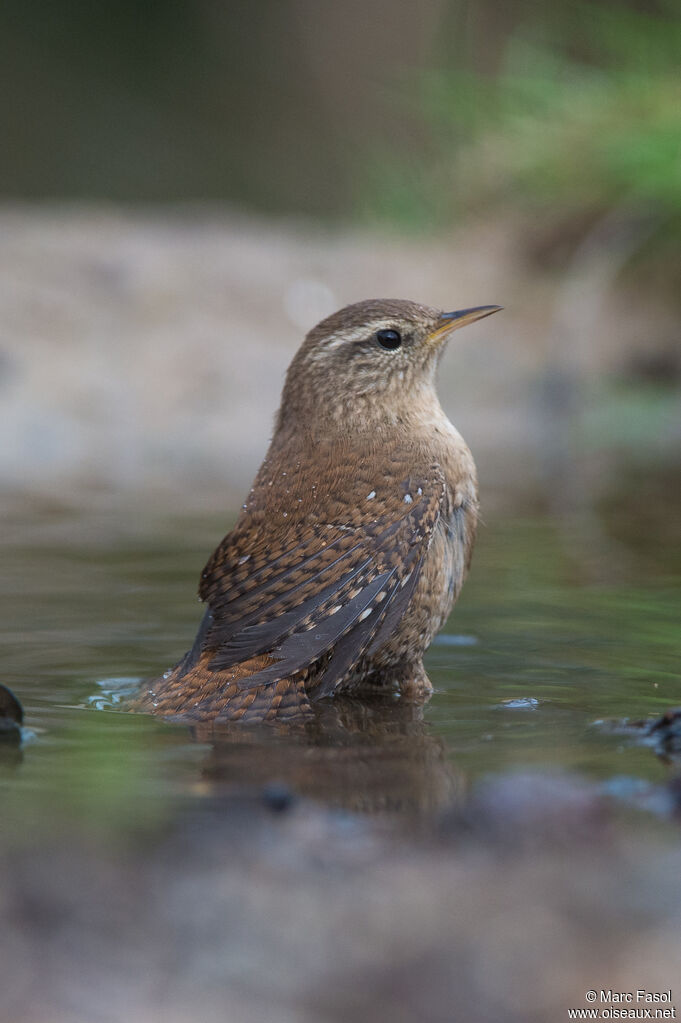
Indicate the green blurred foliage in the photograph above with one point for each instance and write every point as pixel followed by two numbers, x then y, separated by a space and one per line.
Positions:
pixel 412 113
pixel 582 110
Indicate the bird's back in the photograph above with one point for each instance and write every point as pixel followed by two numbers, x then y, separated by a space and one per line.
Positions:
pixel 356 536
pixel 317 587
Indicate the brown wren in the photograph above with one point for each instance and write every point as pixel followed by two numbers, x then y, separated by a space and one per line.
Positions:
pixel 355 538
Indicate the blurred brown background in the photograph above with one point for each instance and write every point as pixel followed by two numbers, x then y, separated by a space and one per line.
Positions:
pixel 188 186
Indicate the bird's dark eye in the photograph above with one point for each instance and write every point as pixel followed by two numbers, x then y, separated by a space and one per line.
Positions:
pixel 390 339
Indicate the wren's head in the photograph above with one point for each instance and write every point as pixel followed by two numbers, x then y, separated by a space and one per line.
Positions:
pixel 371 360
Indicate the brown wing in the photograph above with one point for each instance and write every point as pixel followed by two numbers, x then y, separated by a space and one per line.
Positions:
pixel 325 590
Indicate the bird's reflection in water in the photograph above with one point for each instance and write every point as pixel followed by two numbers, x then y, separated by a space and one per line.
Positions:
pixel 377 756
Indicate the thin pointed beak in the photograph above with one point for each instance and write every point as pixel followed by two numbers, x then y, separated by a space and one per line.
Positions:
pixel 452 321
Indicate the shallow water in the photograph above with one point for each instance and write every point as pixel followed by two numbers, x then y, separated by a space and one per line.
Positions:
pixel 548 641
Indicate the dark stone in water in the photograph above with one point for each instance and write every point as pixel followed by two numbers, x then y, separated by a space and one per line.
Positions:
pixel 661 734
pixel 11 716
pixel 666 731
pixel 278 797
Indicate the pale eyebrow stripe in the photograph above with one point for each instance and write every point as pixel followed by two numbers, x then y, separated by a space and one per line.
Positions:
pixel 359 334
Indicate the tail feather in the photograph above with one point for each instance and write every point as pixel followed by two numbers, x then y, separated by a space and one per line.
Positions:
pixel 198 694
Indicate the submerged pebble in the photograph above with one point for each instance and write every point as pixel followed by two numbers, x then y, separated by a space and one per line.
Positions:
pixel 519 703
pixel 452 639
pixel 278 797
